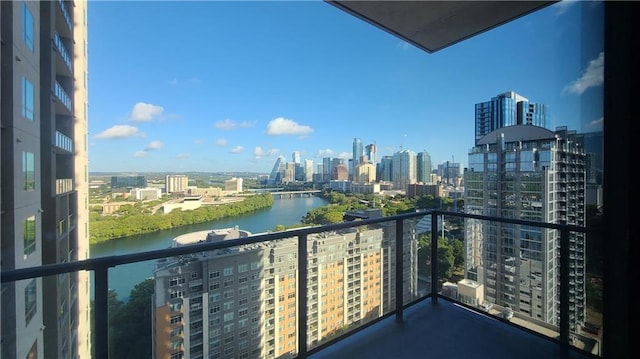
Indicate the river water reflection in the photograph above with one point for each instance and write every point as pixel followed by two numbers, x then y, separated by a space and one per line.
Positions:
pixel 123 278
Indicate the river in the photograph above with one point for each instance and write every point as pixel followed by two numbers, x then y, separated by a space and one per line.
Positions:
pixel 123 278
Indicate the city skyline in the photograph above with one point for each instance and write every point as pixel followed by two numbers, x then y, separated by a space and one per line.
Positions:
pixel 269 84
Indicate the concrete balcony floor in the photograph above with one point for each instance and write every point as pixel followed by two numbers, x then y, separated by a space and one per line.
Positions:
pixel 445 330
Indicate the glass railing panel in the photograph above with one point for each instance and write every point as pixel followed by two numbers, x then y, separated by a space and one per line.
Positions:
pixel 347 280
pixel 62 50
pixel 64 142
pixel 587 335
pixel 62 95
pixel 234 302
pixel 512 271
pixel 64 185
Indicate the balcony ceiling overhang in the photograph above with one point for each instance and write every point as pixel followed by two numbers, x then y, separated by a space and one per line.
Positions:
pixel 435 25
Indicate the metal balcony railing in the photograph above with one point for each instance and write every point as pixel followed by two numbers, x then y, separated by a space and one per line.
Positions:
pixel 100 267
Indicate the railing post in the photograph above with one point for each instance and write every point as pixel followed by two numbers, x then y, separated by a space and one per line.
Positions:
pixel 399 269
pixel 564 289
pixel 101 312
pixel 434 257
pixel 302 296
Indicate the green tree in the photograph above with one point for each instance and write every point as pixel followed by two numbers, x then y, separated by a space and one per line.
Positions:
pixel 445 257
pixel 130 325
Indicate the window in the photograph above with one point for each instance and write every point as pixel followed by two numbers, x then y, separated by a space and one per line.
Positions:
pixel 176 319
pixel 214 297
pixel 176 294
pixel 176 281
pixel 27 99
pixel 228 317
pixel 242 268
pixel 30 301
pixel 215 274
pixel 228 305
pixel 228 328
pixel 27 26
pixel 228 271
pixel 29 235
pixel 29 171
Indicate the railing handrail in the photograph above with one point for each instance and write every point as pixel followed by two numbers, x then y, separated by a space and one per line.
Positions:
pixel 100 266
pixel 115 260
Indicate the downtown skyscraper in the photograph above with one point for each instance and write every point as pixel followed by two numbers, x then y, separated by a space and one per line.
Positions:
pixel 508 109
pixel 44 177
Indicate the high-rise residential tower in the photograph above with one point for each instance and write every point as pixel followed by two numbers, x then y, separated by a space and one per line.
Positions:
pixel 44 177
pixel 531 173
pixel 423 164
pixel 404 169
pixel 508 109
pixel 176 183
pixel 242 302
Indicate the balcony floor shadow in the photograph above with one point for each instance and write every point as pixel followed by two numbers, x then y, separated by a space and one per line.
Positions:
pixel 445 330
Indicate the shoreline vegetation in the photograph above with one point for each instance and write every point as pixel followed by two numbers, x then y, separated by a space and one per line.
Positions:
pixel 131 220
pixel 134 219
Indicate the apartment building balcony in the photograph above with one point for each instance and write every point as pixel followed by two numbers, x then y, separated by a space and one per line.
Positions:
pixel 429 323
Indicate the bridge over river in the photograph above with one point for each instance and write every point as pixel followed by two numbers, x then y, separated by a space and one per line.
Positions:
pixel 294 194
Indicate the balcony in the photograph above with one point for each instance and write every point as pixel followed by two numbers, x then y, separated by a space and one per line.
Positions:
pixel 428 323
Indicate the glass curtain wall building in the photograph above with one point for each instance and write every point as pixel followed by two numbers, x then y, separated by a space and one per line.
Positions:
pixel 529 173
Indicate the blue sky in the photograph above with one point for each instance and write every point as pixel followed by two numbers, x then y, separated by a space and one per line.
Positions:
pixel 217 86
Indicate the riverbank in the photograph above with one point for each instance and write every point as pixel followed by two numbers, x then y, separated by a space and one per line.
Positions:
pixel 132 220
pixel 123 278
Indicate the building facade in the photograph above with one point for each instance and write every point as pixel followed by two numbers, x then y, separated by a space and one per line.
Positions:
pixel 146 194
pixel 242 302
pixel 404 169
pixel 44 177
pixel 508 109
pixel 176 183
pixel 423 171
pixel 128 182
pixel 531 173
pixel 233 185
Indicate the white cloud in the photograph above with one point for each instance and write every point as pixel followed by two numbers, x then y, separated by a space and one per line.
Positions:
pixel 145 112
pixel 140 154
pixel 237 149
pixel 403 45
pixel 119 131
pixel 283 126
pixel 228 124
pixel 562 6
pixel 259 152
pixel 183 155
pixel 596 124
pixel 324 153
pixel 345 155
pixel 198 141
pixel 593 76
pixel 154 145
pixel 221 142
pixel 247 124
